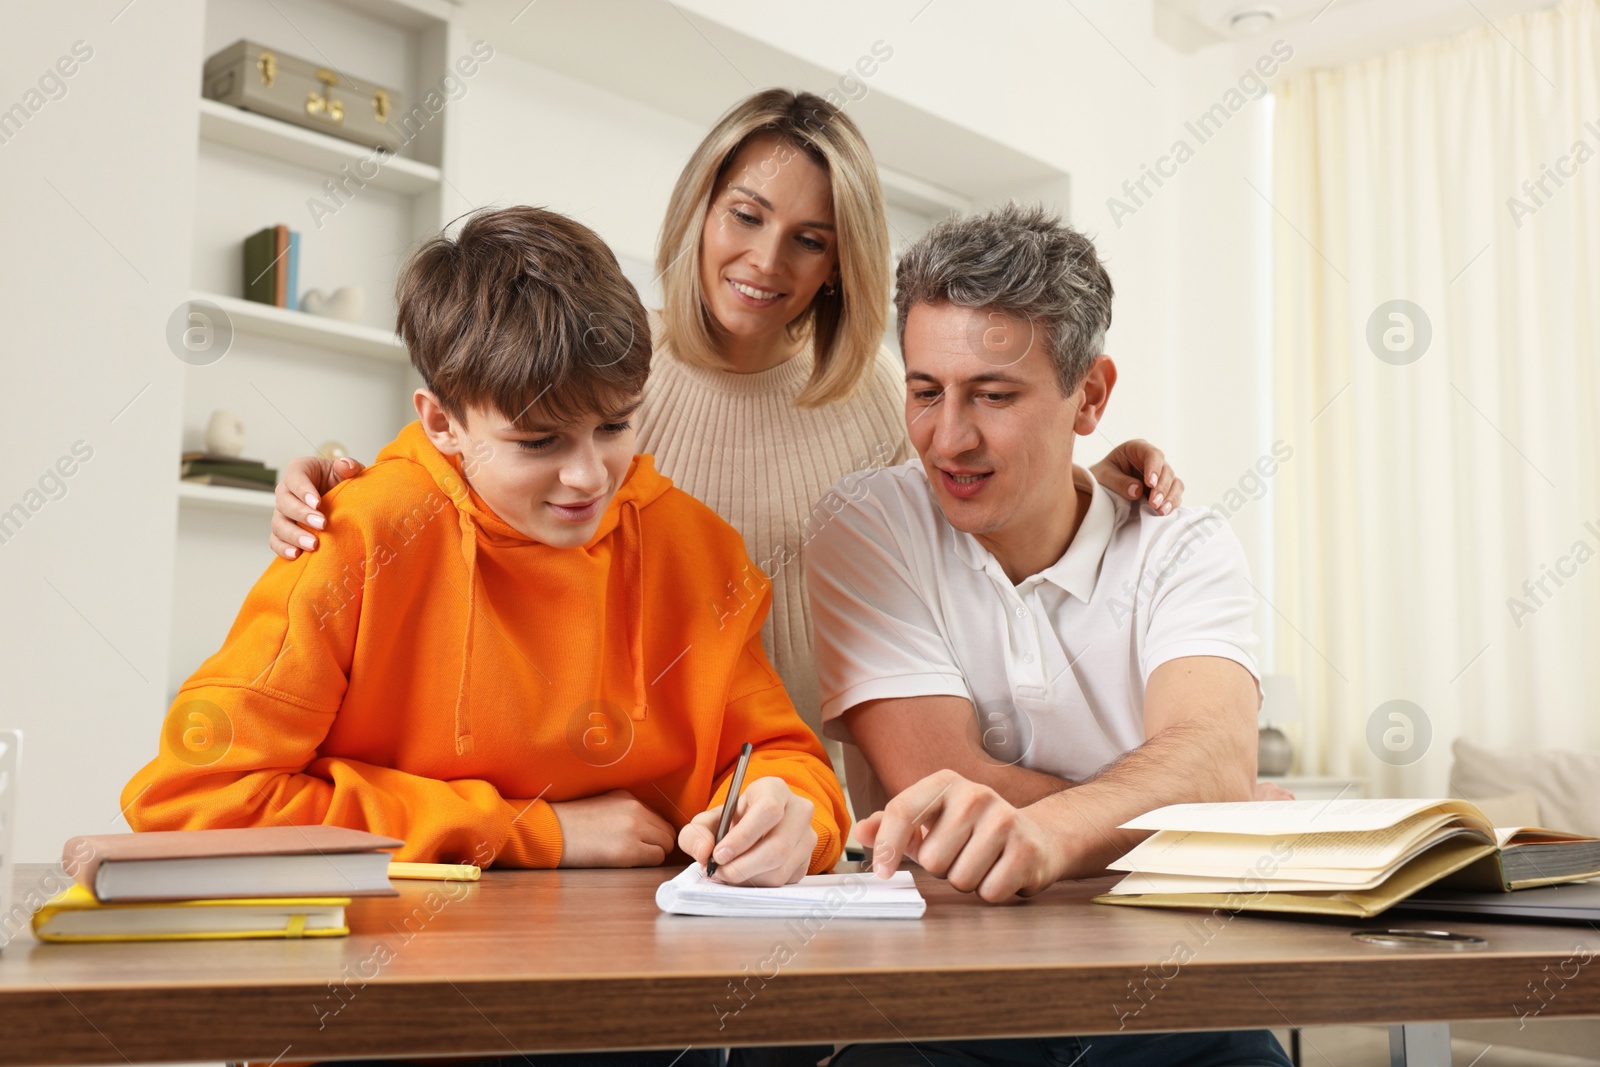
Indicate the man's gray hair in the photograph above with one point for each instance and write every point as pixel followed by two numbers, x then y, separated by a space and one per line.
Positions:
pixel 1021 260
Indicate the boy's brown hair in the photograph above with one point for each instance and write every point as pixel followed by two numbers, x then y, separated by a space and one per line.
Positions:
pixel 527 312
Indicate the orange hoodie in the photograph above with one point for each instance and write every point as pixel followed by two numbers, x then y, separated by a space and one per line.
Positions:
pixel 432 674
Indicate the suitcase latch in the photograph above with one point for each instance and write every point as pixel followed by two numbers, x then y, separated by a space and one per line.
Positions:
pixel 324 105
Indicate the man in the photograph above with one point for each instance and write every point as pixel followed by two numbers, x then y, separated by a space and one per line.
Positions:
pixel 1025 660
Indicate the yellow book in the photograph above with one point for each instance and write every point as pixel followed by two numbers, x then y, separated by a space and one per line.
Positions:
pixel 75 915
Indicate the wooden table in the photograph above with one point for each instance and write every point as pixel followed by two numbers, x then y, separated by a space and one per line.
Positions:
pixel 560 960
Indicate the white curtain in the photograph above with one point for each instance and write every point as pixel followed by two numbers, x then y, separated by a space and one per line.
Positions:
pixel 1437 532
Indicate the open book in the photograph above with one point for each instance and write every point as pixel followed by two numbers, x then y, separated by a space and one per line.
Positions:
pixel 817 896
pixel 1338 857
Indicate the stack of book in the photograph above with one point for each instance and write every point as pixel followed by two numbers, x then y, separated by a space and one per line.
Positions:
pixel 234 471
pixel 194 885
pixel 1354 858
pixel 272 266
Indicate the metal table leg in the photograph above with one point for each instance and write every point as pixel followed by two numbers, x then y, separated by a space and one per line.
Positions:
pixel 1419 1045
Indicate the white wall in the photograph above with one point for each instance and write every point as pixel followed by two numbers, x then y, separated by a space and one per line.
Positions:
pixel 96 223
pixel 1087 88
pixel 532 136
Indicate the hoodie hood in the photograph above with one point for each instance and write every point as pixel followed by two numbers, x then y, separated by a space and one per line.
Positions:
pixel 480 526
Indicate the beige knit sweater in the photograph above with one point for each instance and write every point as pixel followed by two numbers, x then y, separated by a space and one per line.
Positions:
pixel 738 443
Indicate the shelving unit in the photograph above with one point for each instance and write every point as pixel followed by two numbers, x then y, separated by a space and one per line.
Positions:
pixel 300 327
pixel 297 379
pixel 227 125
pixel 224 498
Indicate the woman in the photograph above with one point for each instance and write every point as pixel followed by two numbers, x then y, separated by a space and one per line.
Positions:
pixel 769 381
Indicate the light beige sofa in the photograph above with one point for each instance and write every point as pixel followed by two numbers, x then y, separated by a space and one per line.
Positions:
pixel 1557 789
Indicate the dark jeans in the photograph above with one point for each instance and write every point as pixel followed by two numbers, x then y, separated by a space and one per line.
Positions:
pixel 779 1056
pixel 694 1057
pixel 1239 1048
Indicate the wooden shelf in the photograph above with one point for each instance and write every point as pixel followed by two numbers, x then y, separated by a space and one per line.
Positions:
pixel 225 498
pixel 264 320
pixel 227 125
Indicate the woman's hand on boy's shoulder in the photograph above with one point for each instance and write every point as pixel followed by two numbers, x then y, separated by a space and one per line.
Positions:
pixel 771 839
pixel 1136 469
pixel 611 830
pixel 298 498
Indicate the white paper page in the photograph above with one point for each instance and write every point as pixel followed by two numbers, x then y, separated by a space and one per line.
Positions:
pixel 1278 818
pixel 1284 881
pixel 845 896
pixel 1233 855
pixel 1287 880
pixel 1178 883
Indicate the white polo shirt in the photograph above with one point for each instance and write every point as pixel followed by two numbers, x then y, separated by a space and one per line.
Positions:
pixel 905 605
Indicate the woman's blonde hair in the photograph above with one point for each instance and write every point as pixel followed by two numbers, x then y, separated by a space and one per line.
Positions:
pixel 846 321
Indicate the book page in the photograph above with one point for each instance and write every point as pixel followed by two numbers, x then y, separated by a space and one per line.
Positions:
pixel 1233 855
pixel 1281 818
pixel 1142 882
pixel 1293 878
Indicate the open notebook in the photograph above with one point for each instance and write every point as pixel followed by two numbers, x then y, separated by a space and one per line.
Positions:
pixel 841 896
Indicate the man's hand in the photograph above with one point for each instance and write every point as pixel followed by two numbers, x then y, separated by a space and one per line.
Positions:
pixel 611 830
pixel 1271 791
pixel 299 496
pixel 1138 468
pixel 770 842
pixel 967 834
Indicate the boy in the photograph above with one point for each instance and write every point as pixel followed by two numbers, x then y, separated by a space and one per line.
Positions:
pixel 505 656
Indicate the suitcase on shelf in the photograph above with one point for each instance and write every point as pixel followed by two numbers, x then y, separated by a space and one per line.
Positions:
pixel 252 76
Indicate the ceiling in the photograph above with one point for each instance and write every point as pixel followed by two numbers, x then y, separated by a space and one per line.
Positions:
pixel 1325 32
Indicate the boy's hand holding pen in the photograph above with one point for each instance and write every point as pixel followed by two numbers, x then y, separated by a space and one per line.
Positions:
pixel 765 839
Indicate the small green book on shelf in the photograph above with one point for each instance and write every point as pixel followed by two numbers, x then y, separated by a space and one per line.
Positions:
pixel 1352 858
pixel 271 266
pixel 249 471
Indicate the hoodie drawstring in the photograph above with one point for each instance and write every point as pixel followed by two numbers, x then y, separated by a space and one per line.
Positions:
pixel 633 580
pixel 469 553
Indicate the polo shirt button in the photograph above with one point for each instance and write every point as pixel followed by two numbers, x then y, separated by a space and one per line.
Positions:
pixel 1027 657
pixel 1022 613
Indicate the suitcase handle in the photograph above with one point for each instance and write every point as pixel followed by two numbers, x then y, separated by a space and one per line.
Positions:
pixel 325 105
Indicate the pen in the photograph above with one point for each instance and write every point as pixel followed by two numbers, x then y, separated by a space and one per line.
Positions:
pixel 727 806
pixel 438 872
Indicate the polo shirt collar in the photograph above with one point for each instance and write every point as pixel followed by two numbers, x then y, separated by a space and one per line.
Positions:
pixel 1079 566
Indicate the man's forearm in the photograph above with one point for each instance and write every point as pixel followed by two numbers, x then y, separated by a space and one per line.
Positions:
pixel 1185 764
pixel 1018 785
pixel 907 739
